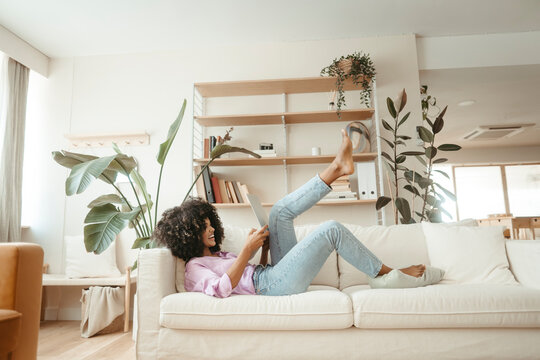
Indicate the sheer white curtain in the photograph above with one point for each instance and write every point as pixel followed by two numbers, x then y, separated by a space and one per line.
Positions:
pixel 13 91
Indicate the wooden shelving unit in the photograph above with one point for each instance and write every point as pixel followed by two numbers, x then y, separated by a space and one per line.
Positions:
pixel 284 87
pixel 287 118
pixel 281 160
pixel 270 86
pixel 325 203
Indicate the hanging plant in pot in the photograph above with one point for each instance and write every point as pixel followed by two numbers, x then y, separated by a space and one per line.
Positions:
pixel 357 67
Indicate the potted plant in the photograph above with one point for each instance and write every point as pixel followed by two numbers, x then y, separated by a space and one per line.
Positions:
pixel 111 213
pixel 357 67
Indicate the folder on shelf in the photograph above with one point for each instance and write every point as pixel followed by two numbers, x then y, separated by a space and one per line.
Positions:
pixel 367 180
pixel 208 186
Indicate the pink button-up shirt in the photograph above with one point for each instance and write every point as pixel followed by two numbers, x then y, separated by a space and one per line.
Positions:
pixel 208 274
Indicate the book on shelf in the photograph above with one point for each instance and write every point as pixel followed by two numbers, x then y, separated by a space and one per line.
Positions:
pixel 223 191
pixel 215 188
pixel 199 184
pixel 341 195
pixel 337 200
pixel 238 192
pixel 231 192
pixel 206 148
pixel 208 186
pixel 341 187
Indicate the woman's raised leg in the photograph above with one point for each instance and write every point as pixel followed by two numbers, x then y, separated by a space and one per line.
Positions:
pixel 283 213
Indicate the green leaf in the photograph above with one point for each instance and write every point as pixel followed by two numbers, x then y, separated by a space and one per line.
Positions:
pixel 431 152
pixel 424 182
pixel 449 147
pixel 82 175
pixel 404 137
pixel 135 265
pixel 382 201
pixel 448 193
pixel 422 161
pixel 69 160
pixel 104 224
pixel 437 125
pixel 387 126
pixel 444 173
pixel 404 209
pixel 116 148
pixel 107 199
pixel 440 160
pixel 403 100
pixel 412 153
pixel 141 185
pixel 141 242
pixel 388 142
pixel 412 189
pixel 400 159
pixel 387 157
pixel 431 200
pixel 166 146
pixel 429 122
pixel 404 118
pixel 224 149
pixel 391 108
pixel 441 114
pixel 434 216
pixel 410 174
pixel 425 134
pixel 123 164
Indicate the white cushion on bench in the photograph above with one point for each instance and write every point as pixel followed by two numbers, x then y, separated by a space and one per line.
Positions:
pixel 322 307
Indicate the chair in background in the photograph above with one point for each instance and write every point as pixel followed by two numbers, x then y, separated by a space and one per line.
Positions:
pixel 20 299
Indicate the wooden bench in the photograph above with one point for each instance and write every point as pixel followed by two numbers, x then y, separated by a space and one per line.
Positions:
pixel 124 281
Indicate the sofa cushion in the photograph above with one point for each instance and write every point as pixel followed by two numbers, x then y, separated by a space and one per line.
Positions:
pixel 321 307
pixel 446 306
pixel 397 246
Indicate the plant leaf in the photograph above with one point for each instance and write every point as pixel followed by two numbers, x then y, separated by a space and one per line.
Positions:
pixel 141 242
pixel 382 201
pixel 425 134
pixel 448 193
pixel 444 173
pixel 440 160
pixel 106 199
pixel 123 164
pixel 412 153
pixel 141 185
pixel 69 160
pixel 400 159
pixel 386 125
pixel 387 157
pixel 391 108
pixel 437 125
pixel 404 118
pixel 404 137
pixel 224 149
pixel 422 161
pixel 404 209
pixel 173 129
pixel 449 147
pixel 412 189
pixel 104 223
pixel 431 152
pixel 388 142
pixel 403 100
pixel 424 182
pixel 82 175
pixel 116 148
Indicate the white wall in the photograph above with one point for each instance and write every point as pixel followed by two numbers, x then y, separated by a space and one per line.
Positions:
pixel 128 93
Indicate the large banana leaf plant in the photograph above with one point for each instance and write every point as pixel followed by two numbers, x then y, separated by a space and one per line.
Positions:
pixel 109 214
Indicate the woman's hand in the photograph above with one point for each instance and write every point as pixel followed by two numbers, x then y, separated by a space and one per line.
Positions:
pixel 256 239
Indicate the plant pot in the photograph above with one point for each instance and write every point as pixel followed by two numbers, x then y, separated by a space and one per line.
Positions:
pixel 345 66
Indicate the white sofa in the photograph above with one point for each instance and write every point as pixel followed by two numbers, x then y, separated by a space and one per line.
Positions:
pixel 341 317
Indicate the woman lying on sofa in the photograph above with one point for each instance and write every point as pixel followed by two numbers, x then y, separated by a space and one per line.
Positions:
pixel 194 232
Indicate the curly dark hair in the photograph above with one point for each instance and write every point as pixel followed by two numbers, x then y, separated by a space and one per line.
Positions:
pixel 180 228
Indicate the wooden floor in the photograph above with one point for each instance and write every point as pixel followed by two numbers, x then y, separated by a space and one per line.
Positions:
pixel 62 340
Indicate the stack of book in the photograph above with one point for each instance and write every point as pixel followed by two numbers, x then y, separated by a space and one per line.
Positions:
pixel 341 191
pixel 219 191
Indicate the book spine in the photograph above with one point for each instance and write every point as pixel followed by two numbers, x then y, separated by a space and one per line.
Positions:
pixel 212 143
pixel 199 185
pixel 237 191
pixel 223 191
pixel 206 148
pixel 244 190
pixel 231 192
pixel 215 187
pixel 208 186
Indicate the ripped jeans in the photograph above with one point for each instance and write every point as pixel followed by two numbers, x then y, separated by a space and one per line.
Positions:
pixel 295 264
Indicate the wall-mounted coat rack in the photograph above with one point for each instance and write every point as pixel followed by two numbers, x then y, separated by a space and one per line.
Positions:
pixel 106 140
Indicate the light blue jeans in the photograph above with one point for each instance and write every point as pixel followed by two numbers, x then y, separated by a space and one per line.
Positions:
pixel 295 265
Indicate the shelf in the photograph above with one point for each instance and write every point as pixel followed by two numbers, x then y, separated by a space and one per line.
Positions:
pixel 326 203
pixel 280 160
pixel 290 118
pixel 271 86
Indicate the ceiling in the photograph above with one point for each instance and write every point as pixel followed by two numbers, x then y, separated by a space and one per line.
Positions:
pixel 68 28
pixel 502 95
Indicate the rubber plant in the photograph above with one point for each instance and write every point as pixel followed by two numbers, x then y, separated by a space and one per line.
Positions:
pixel 109 214
pixel 359 68
pixel 420 185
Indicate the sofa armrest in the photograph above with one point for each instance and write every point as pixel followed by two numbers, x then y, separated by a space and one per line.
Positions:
pixel 156 279
pixel 524 259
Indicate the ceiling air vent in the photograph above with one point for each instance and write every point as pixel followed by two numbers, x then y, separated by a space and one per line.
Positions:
pixel 494 132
